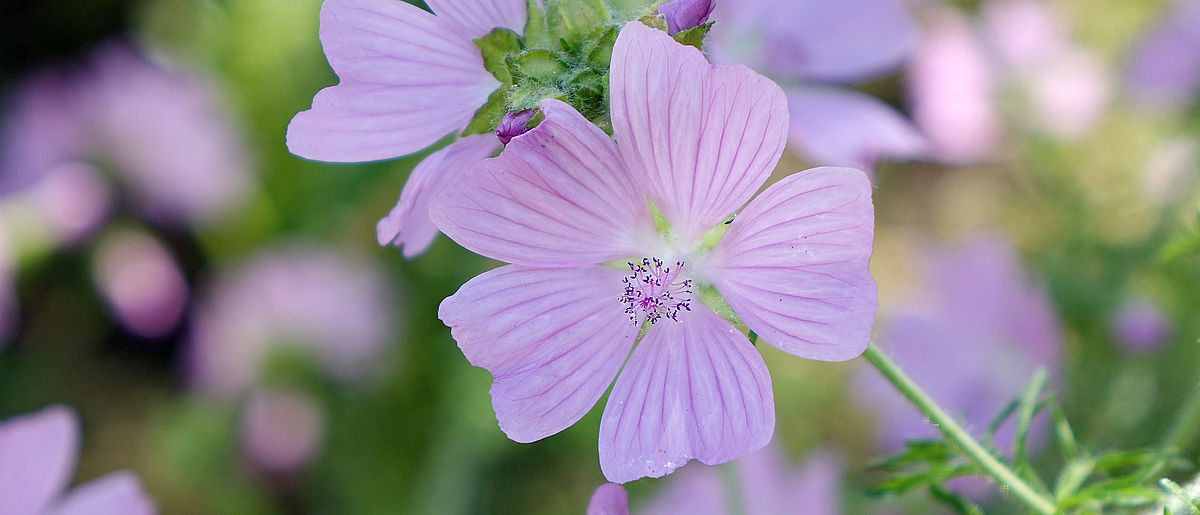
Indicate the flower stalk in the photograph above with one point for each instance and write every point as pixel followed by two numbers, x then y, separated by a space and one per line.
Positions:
pixel 1001 473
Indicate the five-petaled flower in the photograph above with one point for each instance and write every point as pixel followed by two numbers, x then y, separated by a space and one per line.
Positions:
pixel 408 78
pixel 695 141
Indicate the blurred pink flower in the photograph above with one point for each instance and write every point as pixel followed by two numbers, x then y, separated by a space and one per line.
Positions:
pixel 160 132
pixel 140 281
pixel 408 78
pixel 38 452
pixel 971 344
pixel 952 88
pixel 963 69
pixel 1140 324
pixel 555 327
pixel 807 43
pixel 766 485
pixel 335 308
pixel 282 430
pixel 1164 68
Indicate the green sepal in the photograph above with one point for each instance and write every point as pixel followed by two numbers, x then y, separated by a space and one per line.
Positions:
pixel 537 33
pixel 570 19
pixel 528 95
pixel 694 36
pixel 599 46
pixel 487 118
pixel 495 47
pixel 538 64
pixel 654 21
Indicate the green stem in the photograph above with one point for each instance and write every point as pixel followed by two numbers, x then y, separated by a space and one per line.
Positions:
pixel 1008 480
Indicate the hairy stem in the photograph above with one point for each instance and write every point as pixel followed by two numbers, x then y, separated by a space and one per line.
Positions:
pixel 1001 473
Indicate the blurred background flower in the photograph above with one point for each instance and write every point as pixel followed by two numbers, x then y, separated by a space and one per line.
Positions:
pixel 221 320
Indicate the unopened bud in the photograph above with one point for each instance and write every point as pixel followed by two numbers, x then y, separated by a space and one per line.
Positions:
pixel 514 124
pixel 682 15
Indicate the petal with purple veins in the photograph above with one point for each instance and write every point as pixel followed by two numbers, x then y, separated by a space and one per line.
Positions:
pixel 793 264
pixel 407 225
pixel 408 78
pixel 700 139
pixel 557 196
pixel 553 339
pixel 479 17
pixel 695 389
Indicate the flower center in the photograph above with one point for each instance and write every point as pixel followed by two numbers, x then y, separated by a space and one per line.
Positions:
pixel 654 291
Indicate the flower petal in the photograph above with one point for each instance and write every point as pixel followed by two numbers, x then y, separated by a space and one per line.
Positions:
pixel 118 492
pixel 479 17
pixel 1164 68
pixel 815 40
pixel 408 225
pixel 407 80
pixel 609 499
pixel 695 389
pixel 847 128
pixel 700 139
pixel 39 452
pixel 553 339
pixel 557 196
pixel 793 265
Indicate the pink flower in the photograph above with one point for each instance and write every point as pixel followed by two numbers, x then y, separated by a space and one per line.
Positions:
pixel 555 326
pixel 408 78
pixel 292 297
pixel 37 459
pixel 811 46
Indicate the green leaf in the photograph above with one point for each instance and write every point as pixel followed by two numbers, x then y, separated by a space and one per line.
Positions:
pixel 694 36
pixel 915 452
pixel 495 48
pixel 956 502
pixel 1118 492
pixel 1026 409
pixel 1072 476
pixel 538 64
pixel 571 19
pixel 753 336
pixel 1062 429
pixel 487 118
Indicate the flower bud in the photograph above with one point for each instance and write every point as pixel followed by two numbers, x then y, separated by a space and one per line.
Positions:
pixel 513 124
pixel 682 15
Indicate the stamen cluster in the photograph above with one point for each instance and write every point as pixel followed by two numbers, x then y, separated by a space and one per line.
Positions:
pixel 656 291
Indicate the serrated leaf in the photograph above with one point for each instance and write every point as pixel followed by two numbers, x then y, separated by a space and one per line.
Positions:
pixel 487 118
pixel 654 21
pixel 694 36
pixel 538 64
pixel 572 19
pixel 495 47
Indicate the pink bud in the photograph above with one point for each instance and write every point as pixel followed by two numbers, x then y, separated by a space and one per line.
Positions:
pixel 514 124
pixel 682 15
